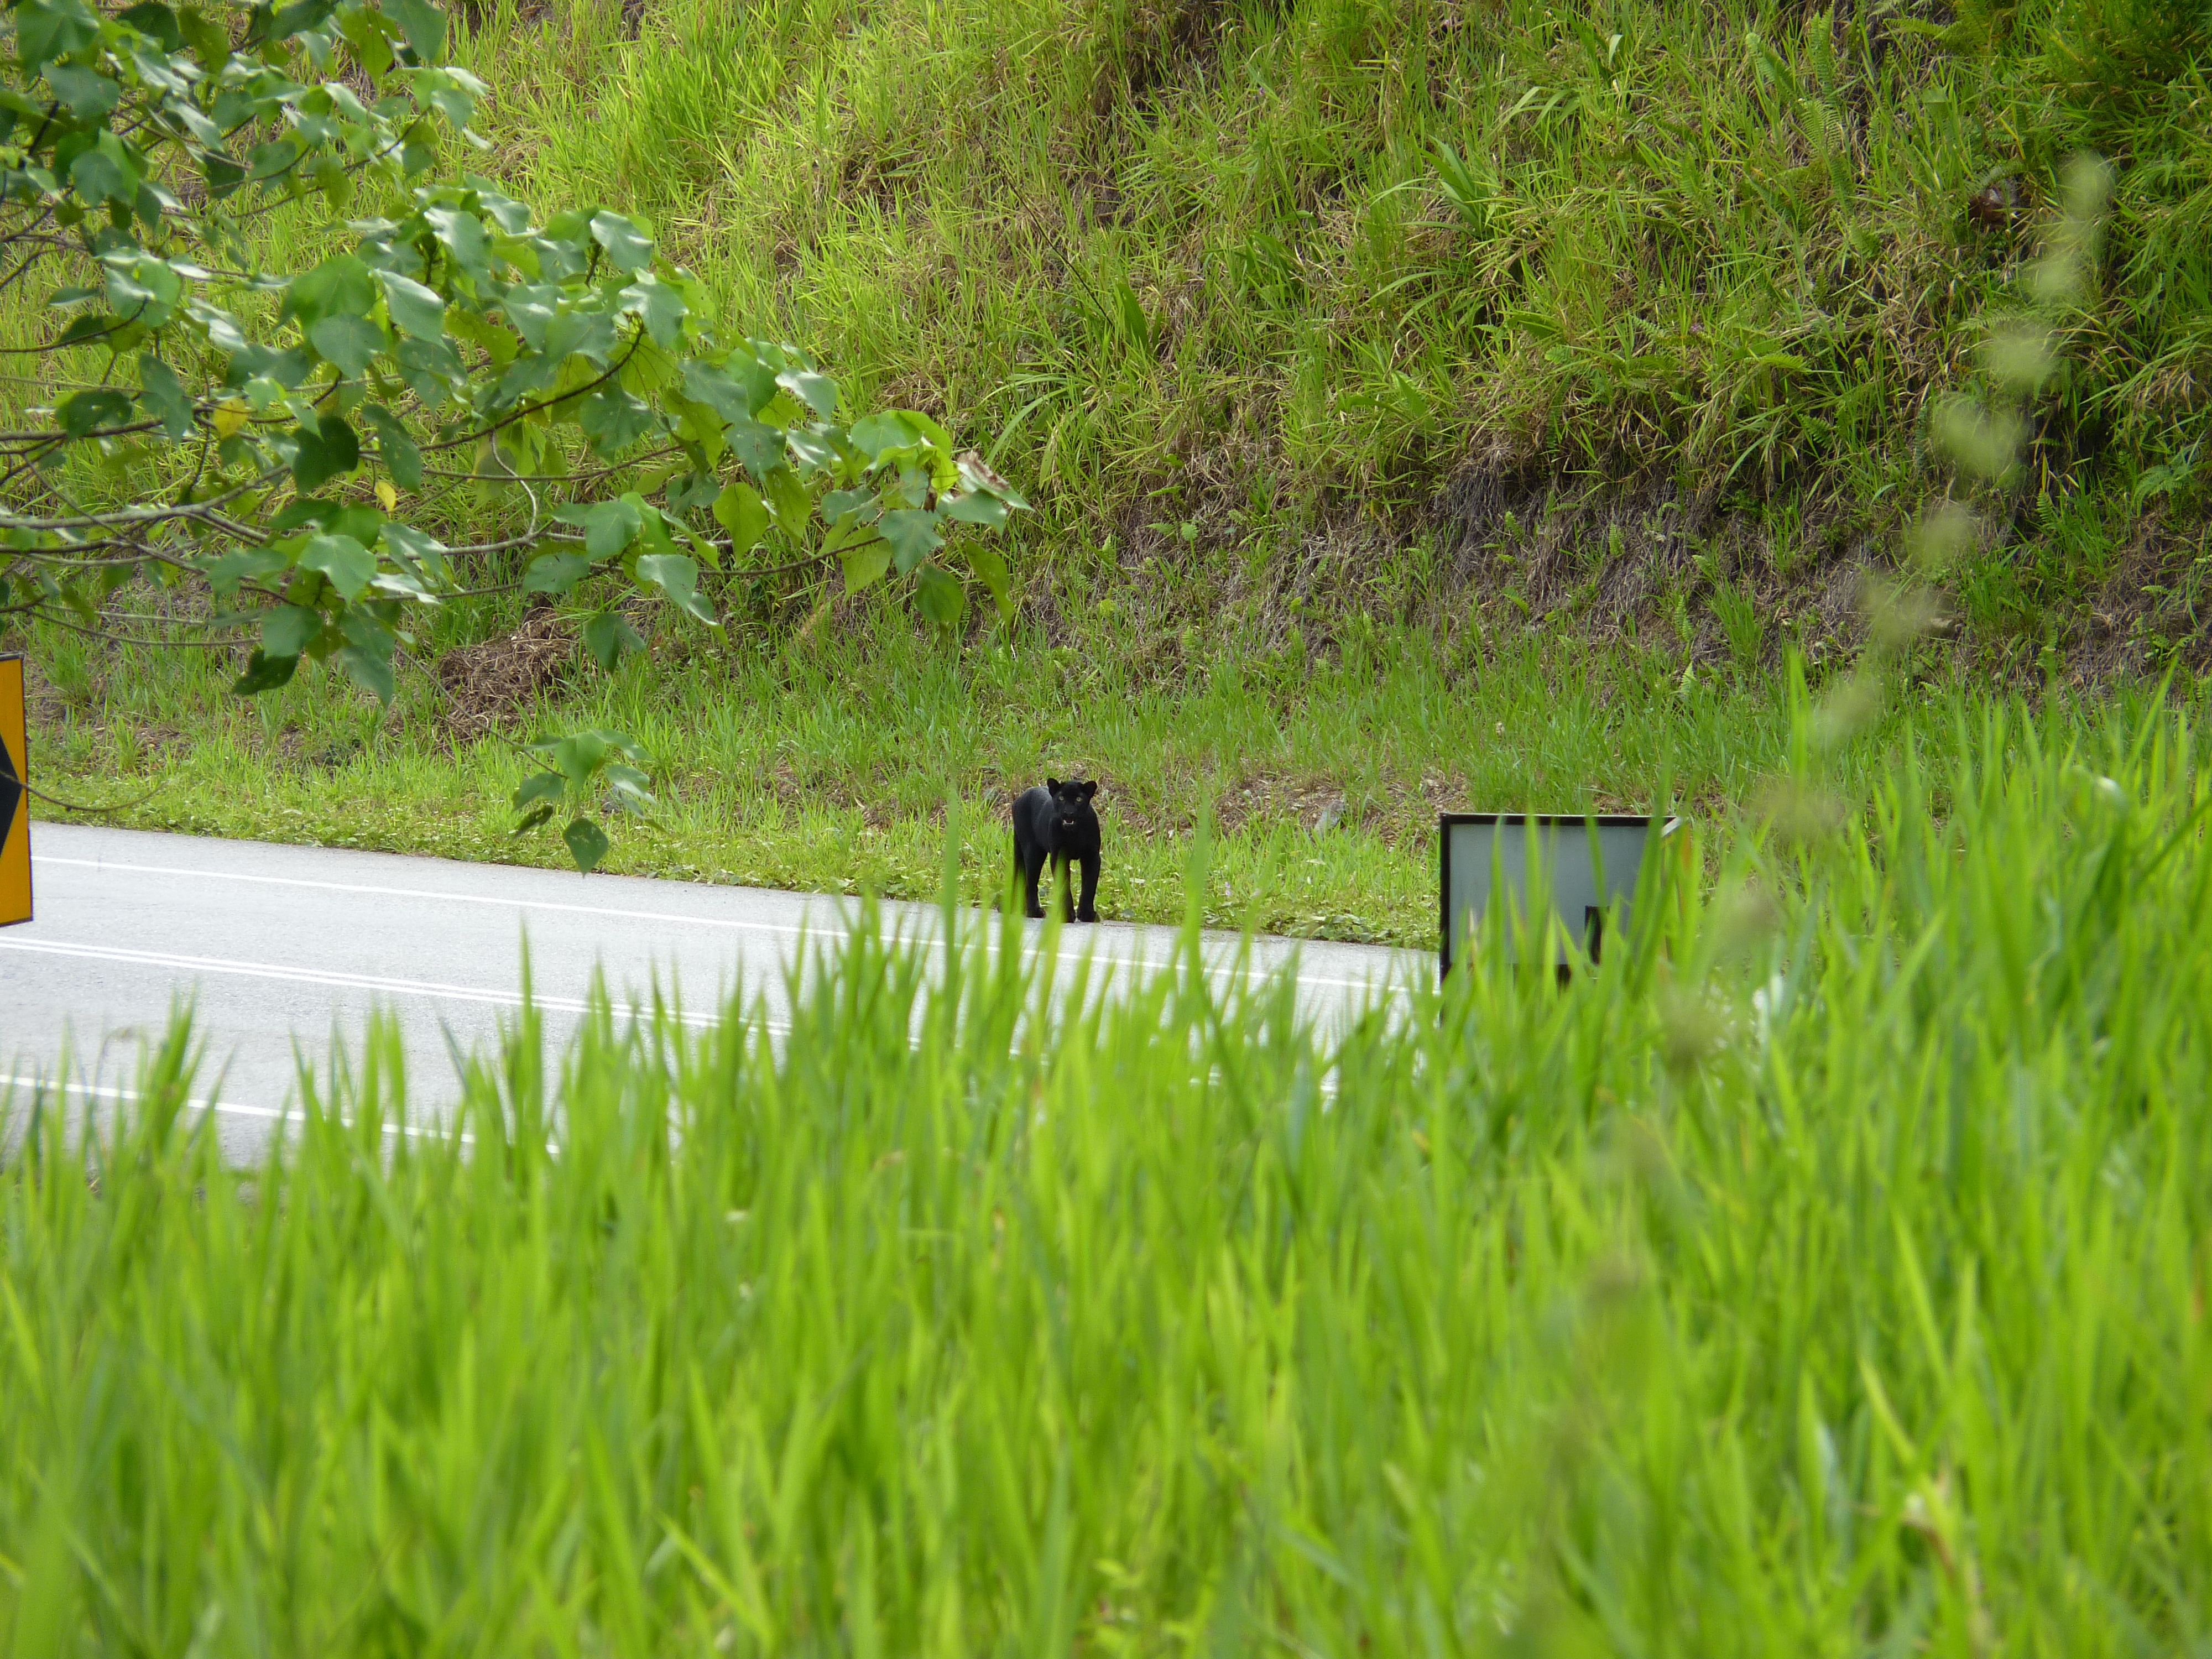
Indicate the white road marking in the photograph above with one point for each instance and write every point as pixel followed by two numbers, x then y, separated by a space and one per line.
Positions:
pixel 322 976
pixel 556 907
pixel 432 893
pixel 194 1103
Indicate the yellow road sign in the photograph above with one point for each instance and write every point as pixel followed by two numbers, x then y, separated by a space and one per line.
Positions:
pixel 15 805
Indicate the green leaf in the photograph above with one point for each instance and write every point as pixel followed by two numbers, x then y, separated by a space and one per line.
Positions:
pixel 415 309
pixel 914 536
pixel 47 29
pixel 424 25
pixel 874 433
pixel 288 629
pixel 540 786
pixel 327 450
pixel 209 38
pixel 939 596
pixel 531 307
pixel 865 566
pixel 976 508
pixel 265 673
pixel 1134 327
pixel 85 413
pixel 628 785
pixel 164 395
pixel 627 245
pixel 849 531
pixel 305 511
pixel 450 98
pixel 609 527
pixel 555 572
pixel 790 500
pixel 91 326
pixel 759 448
pixel 372 672
pixel 401 458
pixel 991 569
pixel 745 366
pixel 351 343
pixel 462 235
pixel 818 391
pixel 653 532
pixel 417 548
pixel 337 288
pixel 85 92
pixel 610 638
pixel 225 574
pixel 2169 478
pixel 364 33
pixel 838 503
pixel 703 382
pixel 662 308
pixel 143 289
pixel 739 510
pixel 812 451
pixel 587 844
pixel 579 755
pixel 153 19
pixel 430 367
pixel 349 566
pixel 613 420
pixel 536 816
pixel 588 334
pixel 676 575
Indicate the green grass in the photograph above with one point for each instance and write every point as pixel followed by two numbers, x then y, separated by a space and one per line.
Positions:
pixel 830 769
pixel 1208 262
pixel 1824 1275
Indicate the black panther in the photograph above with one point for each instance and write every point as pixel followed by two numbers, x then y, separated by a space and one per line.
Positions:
pixel 1055 825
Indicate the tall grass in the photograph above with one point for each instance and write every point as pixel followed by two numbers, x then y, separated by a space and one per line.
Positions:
pixel 1280 269
pixel 1825 1274
pixel 830 768
pixel 1244 253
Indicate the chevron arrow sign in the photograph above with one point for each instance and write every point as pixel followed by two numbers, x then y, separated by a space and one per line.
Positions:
pixel 15 806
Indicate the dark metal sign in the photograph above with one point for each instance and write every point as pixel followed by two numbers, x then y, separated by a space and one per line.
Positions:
pixel 1589 864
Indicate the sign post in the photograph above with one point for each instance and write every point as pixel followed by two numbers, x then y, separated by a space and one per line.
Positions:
pixel 1590 866
pixel 15 805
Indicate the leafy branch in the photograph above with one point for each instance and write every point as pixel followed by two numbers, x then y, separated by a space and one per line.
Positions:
pixel 260 434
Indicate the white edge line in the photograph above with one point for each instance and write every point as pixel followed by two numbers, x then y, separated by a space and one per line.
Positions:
pixel 335 979
pixel 422 893
pixel 554 905
pixel 11 1081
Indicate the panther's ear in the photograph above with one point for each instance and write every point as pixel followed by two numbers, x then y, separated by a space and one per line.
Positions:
pixel 1052 785
pixel 1088 790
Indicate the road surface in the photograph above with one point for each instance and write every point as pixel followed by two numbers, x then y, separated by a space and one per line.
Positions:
pixel 279 949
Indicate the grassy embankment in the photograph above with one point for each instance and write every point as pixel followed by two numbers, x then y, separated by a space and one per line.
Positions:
pixel 1825 1276
pixel 1326 425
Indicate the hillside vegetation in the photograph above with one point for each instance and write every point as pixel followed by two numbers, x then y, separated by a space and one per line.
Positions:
pixel 1336 304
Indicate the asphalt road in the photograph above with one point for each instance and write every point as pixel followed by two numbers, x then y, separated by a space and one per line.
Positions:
pixel 279 949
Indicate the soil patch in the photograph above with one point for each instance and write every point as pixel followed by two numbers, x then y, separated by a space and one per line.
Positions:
pixel 489 686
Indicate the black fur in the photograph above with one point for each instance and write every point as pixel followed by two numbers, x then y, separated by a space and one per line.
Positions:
pixel 1055 825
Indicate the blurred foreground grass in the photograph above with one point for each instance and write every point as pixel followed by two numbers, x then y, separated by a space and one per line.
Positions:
pixel 1825 1274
